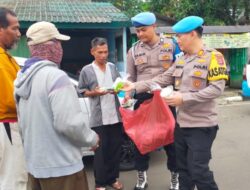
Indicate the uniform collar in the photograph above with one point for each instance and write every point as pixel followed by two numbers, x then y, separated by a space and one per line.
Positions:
pixel 199 54
pixel 142 44
pixel 203 51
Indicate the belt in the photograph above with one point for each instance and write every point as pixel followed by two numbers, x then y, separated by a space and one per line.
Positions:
pixel 8 131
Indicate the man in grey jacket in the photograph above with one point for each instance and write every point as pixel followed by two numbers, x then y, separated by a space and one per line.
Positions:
pixel 51 122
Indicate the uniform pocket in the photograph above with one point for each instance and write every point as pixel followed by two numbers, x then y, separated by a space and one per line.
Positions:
pixel 165 59
pixel 198 80
pixel 141 64
pixel 177 78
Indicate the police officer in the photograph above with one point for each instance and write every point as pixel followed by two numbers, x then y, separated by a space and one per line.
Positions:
pixel 200 75
pixel 150 56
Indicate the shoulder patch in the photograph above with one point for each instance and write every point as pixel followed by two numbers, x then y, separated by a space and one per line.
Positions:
pixel 217 69
pixel 220 59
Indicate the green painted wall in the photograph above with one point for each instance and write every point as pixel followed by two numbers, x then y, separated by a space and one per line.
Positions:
pixel 237 58
pixel 22 49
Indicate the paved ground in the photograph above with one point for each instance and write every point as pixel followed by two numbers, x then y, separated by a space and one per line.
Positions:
pixel 231 152
pixel 230 95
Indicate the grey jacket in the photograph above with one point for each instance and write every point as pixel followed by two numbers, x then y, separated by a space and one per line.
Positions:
pixel 88 81
pixel 50 119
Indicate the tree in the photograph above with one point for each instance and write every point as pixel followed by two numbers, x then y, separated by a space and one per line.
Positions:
pixel 215 12
pixel 130 7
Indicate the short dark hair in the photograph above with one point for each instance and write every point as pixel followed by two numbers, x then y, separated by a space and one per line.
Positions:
pixel 98 41
pixel 4 23
pixel 199 31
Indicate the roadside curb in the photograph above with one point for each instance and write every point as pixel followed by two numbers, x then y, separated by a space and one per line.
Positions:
pixel 232 99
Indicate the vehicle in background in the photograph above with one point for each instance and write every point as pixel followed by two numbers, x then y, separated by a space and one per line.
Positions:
pixel 246 81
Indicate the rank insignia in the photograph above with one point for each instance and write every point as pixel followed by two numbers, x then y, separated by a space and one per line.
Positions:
pixel 166 45
pixel 201 60
pixel 197 73
pixel 201 52
pixel 180 62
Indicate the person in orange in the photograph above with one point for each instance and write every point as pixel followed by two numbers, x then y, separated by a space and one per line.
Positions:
pixel 13 175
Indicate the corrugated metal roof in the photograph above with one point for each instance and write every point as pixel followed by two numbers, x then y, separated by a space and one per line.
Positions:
pixel 65 11
pixel 207 29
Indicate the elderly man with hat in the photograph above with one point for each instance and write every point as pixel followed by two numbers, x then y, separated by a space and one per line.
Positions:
pixel 150 56
pixel 50 117
pixel 199 76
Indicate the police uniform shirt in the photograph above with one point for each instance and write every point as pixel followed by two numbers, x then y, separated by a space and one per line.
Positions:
pixel 145 62
pixel 200 78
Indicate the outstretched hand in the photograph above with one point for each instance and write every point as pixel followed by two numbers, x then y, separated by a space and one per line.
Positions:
pixel 99 91
pixel 128 86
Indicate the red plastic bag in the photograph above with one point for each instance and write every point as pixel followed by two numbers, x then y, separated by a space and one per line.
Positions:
pixel 151 125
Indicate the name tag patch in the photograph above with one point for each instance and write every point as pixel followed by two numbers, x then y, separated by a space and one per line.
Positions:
pixel 202 67
pixel 217 71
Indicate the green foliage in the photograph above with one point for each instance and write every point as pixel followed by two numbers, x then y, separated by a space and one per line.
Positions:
pixel 215 12
pixel 130 7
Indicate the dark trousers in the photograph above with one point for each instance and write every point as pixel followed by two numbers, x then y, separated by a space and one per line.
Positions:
pixel 142 161
pixel 193 153
pixel 107 156
pixel 77 181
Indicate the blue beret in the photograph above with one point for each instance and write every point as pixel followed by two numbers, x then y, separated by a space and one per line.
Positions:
pixel 143 19
pixel 188 24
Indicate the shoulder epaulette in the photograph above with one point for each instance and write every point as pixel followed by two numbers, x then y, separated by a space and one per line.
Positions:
pixel 135 43
pixel 133 49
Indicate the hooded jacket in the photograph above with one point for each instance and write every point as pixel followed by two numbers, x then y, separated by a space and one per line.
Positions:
pixel 50 119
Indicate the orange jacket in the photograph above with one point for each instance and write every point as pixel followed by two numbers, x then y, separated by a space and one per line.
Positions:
pixel 8 72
